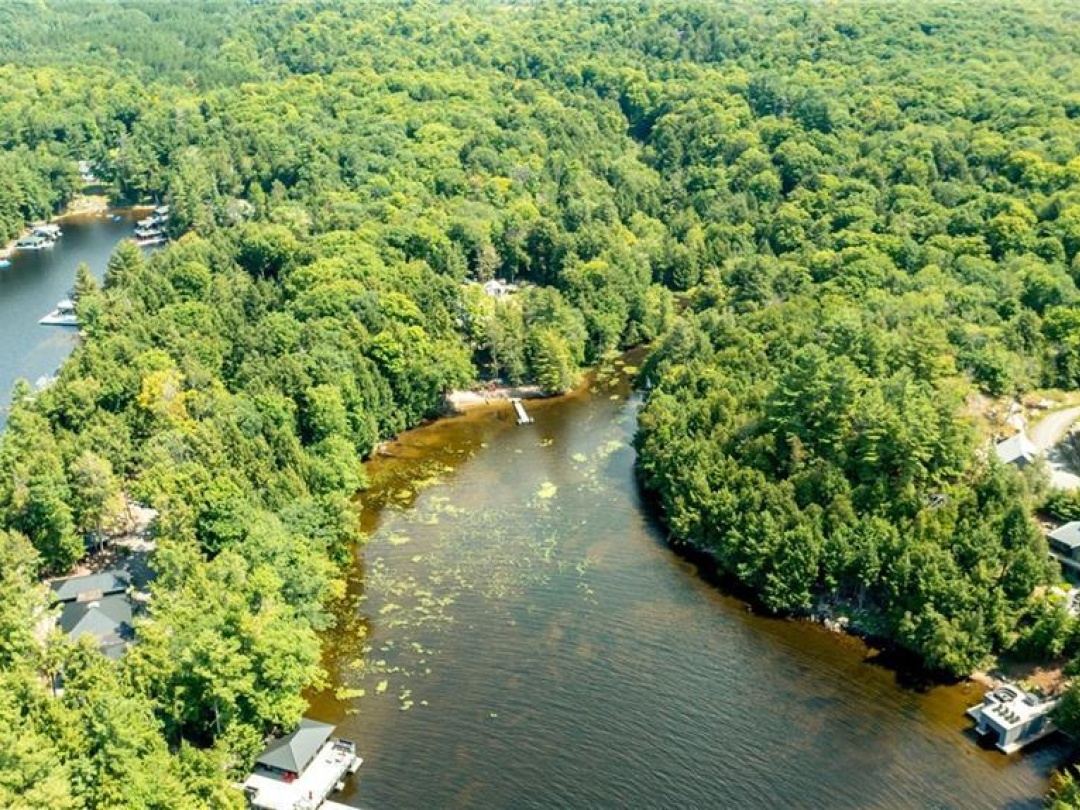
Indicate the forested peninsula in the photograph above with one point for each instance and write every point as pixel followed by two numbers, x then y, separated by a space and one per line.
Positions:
pixel 867 217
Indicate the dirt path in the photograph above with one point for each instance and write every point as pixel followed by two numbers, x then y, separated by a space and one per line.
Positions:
pixel 1045 436
pixel 1052 428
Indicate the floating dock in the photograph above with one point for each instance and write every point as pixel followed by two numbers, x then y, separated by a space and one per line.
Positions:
pixel 522 417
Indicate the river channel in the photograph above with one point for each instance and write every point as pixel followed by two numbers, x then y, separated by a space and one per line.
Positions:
pixel 517 635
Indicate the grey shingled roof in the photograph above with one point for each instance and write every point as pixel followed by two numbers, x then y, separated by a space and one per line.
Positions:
pixel 294 751
pixel 105 583
pixel 107 619
pixel 1068 535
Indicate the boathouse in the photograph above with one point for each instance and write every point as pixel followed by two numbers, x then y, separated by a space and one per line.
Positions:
pixel 1011 718
pixel 300 770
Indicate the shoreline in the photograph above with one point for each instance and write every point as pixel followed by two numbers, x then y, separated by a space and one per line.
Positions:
pixel 81 206
pixel 458 402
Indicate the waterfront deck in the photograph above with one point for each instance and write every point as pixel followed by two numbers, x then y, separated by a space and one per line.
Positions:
pixel 309 790
pixel 522 417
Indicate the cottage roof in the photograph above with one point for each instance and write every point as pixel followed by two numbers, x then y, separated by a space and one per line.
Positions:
pixel 107 619
pixel 103 583
pixel 294 751
pixel 1016 448
pixel 1068 535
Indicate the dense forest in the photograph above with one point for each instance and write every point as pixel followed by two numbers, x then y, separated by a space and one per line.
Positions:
pixel 868 214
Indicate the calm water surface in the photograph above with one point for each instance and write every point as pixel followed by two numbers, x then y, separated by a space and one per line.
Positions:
pixel 516 635
pixel 30 288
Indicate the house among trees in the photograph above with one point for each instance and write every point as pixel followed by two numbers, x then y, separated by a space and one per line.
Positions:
pixel 498 288
pixel 298 771
pixel 96 605
pixel 1017 450
pixel 1065 541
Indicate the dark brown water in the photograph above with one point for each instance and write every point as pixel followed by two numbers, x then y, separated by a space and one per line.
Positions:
pixel 30 288
pixel 524 639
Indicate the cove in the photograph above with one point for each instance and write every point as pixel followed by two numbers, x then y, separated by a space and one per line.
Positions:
pixel 516 634
pixel 32 285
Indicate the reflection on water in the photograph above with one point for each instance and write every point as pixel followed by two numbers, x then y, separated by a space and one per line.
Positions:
pixel 517 635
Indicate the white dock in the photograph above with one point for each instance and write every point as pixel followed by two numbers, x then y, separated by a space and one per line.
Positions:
pixel 522 417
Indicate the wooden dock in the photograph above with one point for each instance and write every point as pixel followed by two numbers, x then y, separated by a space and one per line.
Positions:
pixel 522 417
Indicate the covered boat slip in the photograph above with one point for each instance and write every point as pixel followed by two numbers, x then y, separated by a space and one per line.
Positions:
pixel 1013 718
pixel 299 771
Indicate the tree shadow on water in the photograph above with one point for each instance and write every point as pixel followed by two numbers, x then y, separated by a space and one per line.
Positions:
pixel 907 667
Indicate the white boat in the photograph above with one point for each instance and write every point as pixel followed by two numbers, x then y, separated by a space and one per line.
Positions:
pixel 147 233
pixel 49 231
pixel 63 315
pixel 150 241
pixel 34 242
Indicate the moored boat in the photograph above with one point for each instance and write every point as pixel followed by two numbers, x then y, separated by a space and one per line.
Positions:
pixel 34 242
pixel 48 230
pixel 63 315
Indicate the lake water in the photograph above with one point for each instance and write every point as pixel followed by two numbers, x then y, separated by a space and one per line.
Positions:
pixel 30 288
pixel 517 635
